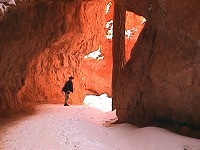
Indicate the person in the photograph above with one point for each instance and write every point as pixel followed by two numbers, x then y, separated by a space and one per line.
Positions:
pixel 69 88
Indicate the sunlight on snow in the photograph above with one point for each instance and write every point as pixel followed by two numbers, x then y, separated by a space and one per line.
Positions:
pixel 3 7
pixel 96 54
pixel 108 7
pixel 102 102
pixel 109 26
pixel 129 33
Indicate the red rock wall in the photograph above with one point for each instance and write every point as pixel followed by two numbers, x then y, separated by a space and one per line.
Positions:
pixel 25 31
pixel 86 33
pixel 50 69
pixel 135 22
pixel 43 43
pixel 160 83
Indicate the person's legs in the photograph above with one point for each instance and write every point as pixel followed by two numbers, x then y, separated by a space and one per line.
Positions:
pixel 66 98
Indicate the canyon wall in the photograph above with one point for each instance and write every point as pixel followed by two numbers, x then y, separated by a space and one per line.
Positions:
pixel 86 33
pixel 24 32
pixel 161 81
pixel 51 68
pixel 44 42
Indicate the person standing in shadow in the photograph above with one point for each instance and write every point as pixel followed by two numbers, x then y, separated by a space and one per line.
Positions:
pixel 68 87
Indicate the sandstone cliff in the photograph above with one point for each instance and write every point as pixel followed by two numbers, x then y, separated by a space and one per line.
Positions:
pixel 51 68
pixel 160 83
pixel 44 42
pixel 26 31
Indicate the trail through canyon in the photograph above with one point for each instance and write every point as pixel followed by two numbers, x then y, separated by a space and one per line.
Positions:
pixel 86 127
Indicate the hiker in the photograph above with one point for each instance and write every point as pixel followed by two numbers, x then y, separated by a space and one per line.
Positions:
pixel 67 89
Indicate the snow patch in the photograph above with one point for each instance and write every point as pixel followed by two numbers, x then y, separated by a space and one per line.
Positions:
pixel 109 27
pixel 4 7
pixel 96 54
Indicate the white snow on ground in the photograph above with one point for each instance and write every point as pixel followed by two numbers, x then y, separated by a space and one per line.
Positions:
pixel 102 102
pixel 85 127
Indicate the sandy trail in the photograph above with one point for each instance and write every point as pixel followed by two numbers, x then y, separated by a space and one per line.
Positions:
pixel 55 127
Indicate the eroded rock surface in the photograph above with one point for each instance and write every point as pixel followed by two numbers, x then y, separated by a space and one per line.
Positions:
pixel 24 32
pixel 44 42
pixel 50 70
pixel 160 82
pixel 86 33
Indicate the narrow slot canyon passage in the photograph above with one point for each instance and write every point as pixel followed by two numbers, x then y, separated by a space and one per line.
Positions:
pixel 135 67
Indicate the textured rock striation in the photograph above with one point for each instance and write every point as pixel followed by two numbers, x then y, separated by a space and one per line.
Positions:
pixel 161 80
pixel 51 68
pixel 42 43
pixel 24 32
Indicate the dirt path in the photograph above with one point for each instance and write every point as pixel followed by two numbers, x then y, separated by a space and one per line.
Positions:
pixel 51 127
pixel 55 127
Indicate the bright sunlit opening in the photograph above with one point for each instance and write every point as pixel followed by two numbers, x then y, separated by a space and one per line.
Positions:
pixel 102 102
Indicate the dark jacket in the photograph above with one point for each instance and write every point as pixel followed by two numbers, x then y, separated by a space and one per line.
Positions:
pixel 69 86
